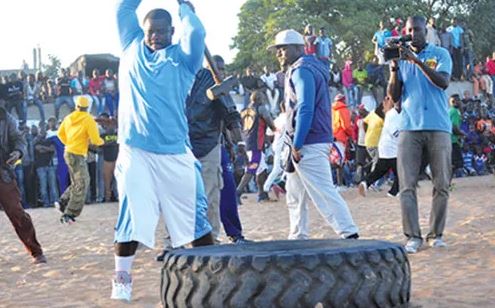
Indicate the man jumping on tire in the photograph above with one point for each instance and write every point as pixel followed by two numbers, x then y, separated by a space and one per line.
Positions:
pixel 156 170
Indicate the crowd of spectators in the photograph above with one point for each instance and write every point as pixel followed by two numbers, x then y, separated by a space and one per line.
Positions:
pixel 42 173
pixel 359 90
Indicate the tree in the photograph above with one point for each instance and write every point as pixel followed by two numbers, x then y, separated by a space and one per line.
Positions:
pixel 350 24
pixel 51 70
pixel 482 23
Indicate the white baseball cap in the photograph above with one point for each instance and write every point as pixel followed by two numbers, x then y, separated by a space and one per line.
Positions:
pixel 287 37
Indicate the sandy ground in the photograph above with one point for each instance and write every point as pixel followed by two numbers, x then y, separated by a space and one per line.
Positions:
pixel 81 259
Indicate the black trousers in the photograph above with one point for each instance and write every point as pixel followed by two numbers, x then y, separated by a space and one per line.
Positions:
pixel 92 181
pixel 457 60
pixel 381 169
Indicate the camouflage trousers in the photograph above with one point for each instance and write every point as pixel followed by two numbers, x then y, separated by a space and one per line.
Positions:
pixel 75 194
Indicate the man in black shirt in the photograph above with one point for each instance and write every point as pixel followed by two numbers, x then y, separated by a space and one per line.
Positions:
pixel 250 83
pixel 110 152
pixel 12 147
pixel 44 150
pixel 63 93
pixel 15 98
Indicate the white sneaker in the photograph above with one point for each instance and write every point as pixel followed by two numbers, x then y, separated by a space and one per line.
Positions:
pixel 122 290
pixel 413 244
pixel 437 243
pixel 362 188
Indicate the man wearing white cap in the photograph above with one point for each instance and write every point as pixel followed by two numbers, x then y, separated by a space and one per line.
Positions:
pixel 307 101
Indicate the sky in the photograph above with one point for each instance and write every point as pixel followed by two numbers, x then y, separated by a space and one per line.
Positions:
pixel 70 28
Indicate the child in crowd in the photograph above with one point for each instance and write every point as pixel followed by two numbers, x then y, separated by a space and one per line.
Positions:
pixel 480 160
pixel 467 156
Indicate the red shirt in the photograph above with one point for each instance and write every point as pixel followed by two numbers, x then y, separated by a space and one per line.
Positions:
pixel 490 67
pixel 95 86
pixel 309 44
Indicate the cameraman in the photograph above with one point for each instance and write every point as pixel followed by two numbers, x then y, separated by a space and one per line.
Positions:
pixel 418 80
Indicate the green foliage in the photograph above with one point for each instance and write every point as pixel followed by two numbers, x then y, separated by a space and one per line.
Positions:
pixel 350 23
pixel 51 70
pixel 482 22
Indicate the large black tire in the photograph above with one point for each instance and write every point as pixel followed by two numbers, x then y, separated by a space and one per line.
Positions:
pixel 335 273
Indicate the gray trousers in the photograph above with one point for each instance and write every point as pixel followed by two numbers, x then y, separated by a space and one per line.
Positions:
pixel 436 145
pixel 312 180
pixel 211 172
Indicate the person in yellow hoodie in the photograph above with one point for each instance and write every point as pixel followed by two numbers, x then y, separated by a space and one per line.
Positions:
pixel 77 131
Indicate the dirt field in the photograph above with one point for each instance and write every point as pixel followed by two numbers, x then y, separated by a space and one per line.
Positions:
pixel 81 259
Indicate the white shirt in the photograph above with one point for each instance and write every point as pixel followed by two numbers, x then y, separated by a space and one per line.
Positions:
pixel 31 91
pixel 269 80
pixel 361 132
pixel 389 139
pixel 432 36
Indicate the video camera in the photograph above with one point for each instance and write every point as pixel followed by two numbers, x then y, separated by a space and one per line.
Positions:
pixel 392 50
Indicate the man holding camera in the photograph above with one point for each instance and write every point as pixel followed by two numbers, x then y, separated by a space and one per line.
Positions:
pixel 418 80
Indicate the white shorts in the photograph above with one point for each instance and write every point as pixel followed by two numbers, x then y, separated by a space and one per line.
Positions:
pixel 151 185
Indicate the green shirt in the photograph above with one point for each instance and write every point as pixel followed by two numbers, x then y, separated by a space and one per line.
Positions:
pixel 455 118
pixel 360 76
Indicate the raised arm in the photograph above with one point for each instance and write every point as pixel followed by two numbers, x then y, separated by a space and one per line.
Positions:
pixel 192 42
pixel 127 22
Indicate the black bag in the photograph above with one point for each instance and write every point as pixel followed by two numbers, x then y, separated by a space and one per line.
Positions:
pixel 286 158
pixel 289 165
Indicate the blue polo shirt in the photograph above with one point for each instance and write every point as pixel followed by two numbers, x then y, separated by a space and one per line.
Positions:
pixel 381 37
pixel 424 105
pixel 324 47
pixel 456 35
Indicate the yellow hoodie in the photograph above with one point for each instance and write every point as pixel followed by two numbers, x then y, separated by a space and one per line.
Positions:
pixel 78 130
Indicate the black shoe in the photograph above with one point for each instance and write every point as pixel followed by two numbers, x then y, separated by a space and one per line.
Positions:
pixel 353 236
pixel 39 259
pixel 67 219
pixel 160 257
pixel 239 240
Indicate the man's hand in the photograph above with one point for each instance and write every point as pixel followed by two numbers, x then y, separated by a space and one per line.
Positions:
pixel 13 157
pixel 408 55
pixel 188 3
pixel 296 155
